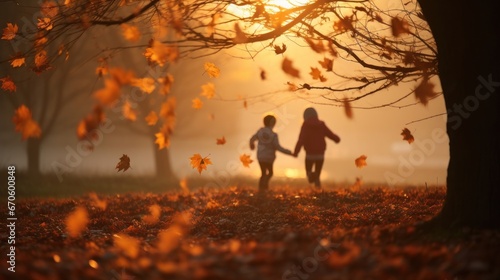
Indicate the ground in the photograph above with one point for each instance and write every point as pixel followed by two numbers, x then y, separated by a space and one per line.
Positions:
pixel 238 233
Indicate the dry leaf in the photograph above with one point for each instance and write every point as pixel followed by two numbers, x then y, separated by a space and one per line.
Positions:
pixel 41 62
pixel 407 136
pixel 87 128
pixel 360 161
pixel 128 112
pixel 280 50
pixel 316 74
pixel 199 162
pixel 327 64
pixel 77 221
pixel 221 141
pixel 25 124
pixel 45 24
pixel 154 214
pixel 108 95
pixel 127 245
pixel 399 26
pixel 208 90
pixel 147 84
pixel 162 140
pixel 8 84
pixel 197 103
pixel 123 164
pixel 151 118
pixel 212 70
pixel 425 91
pixel 240 36
pixel 10 31
pixel 288 68
pixel 316 46
pixel 49 9
pixel 18 62
pixel 263 74
pixel 348 108
pixel 159 53
pixel 245 160
pixel 97 202
pixel 130 32
pixel 166 83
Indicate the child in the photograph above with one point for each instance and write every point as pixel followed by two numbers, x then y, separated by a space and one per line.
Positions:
pixel 312 137
pixel 267 146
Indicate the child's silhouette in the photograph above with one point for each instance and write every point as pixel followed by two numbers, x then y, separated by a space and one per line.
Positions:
pixel 312 137
pixel 266 150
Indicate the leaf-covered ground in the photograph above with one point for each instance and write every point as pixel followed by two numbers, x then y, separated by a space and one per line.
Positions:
pixel 237 233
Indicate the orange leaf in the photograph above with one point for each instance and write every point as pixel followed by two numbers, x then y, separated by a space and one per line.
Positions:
pixel 208 90
pixel 262 74
pixel 130 33
pixel 25 124
pixel 154 214
pixel 246 160
pixel 77 221
pixel 109 94
pixel 197 103
pixel 18 62
pixel 41 62
pixel 280 50
pixel 288 68
pixel 87 128
pixel 221 141
pixel 348 108
pixel 316 74
pixel 399 26
pixel 425 91
pixel 327 64
pixel 49 9
pixel 123 164
pixel 147 84
pixel 212 70
pixel 151 118
pixel 360 161
pixel 316 46
pixel 10 31
pixel 45 23
pixel 159 53
pixel 407 136
pixel 8 84
pixel 166 83
pixel 128 112
pixel 162 139
pixel 199 162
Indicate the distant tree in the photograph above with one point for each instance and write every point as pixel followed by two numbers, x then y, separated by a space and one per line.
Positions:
pixel 390 44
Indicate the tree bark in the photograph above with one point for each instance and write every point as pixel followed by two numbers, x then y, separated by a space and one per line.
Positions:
pixel 33 147
pixel 467 37
pixel 163 165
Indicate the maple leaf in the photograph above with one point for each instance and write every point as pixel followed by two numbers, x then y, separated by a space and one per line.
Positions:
pixel 425 91
pixel 348 108
pixel 315 46
pixel 25 124
pixel 77 221
pixel 166 83
pixel 128 112
pixel 123 164
pixel 208 90
pixel 245 160
pixel 8 84
pixel 147 84
pixel 127 245
pixel 399 26
pixel 41 62
pixel 344 24
pixel 159 53
pixel 45 23
pixel 316 74
pixel 280 50
pixel 407 136
pixel 288 68
pixel 97 202
pixel 292 86
pixel 327 64
pixel 130 33
pixel 18 61
pixel 197 103
pixel 108 95
pixel 199 162
pixel 212 70
pixel 151 118
pixel 221 141
pixel 360 161
pixel 10 31
pixel 162 139
pixel 87 128
pixel 240 36
pixel 49 9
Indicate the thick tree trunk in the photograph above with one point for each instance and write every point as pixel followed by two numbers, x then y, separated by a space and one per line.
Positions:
pixel 163 166
pixel 33 146
pixel 467 37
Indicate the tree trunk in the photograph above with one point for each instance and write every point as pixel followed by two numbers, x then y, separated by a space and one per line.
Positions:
pixel 467 38
pixel 163 166
pixel 33 146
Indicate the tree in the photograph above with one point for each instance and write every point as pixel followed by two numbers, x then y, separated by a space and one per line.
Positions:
pixel 390 45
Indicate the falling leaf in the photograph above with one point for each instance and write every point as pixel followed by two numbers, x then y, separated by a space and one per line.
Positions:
pixel 151 118
pixel 360 161
pixel 127 245
pixel 263 74
pixel 131 33
pixel 49 9
pixel 245 160
pixel 10 31
pixel 280 50
pixel 162 140
pixel 221 141
pixel 197 103
pixel 160 54
pixel 399 26
pixel 45 24
pixel 425 91
pixel 210 29
pixel 212 70
pixel 318 47
pixel 108 95
pixel 25 124
pixel 292 86
pixel 87 128
pixel 245 104
pixel 407 136
pixel 348 108
pixel 184 186
pixel 344 24
pixel 208 90
pixel 199 162
pixel 316 74
pixel 8 84
pixel 327 64
pixel 146 84
pixel 128 112
pixel 18 61
pixel 154 214
pixel 288 68
pixel 41 62
pixel 123 164
pixel 166 83
pixel 240 36
pixel 77 221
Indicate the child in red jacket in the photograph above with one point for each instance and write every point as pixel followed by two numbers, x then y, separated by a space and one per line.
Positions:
pixel 312 137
